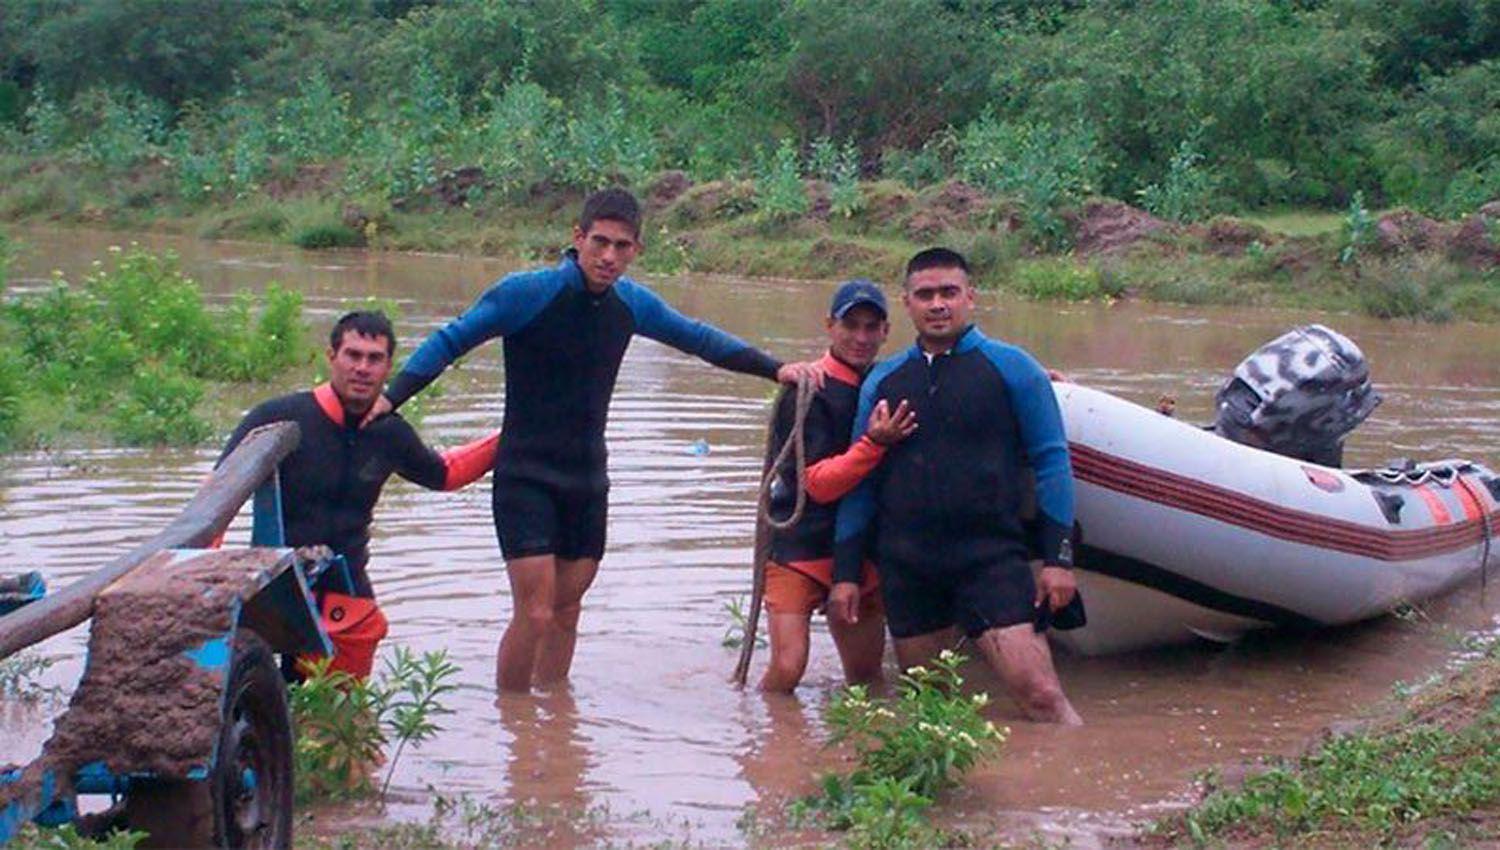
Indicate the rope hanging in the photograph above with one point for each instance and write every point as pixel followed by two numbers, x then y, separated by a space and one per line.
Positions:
pixel 765 523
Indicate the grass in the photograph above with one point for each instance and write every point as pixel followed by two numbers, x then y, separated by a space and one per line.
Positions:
pixel 1297 222
pixel 716 227
pixel 1428 776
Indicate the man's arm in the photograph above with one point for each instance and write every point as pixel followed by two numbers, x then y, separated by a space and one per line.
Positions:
pixel 447 470
pixel 654 318
pixel 852 527
pixel 504 308
pixel 832 477
pixel 1046 444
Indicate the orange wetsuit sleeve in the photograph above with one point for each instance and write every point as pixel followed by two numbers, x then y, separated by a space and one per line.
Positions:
pixel 831 478
pixel 468 463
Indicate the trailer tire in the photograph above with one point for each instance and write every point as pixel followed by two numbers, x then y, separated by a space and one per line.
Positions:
pixel 246 802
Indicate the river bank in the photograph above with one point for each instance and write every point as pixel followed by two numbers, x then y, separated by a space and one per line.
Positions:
pixel 1393 265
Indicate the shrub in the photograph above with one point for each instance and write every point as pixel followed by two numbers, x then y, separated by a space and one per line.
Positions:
pixel 909 751
pixel 343 723
pixel 160 409
pixel 1061 279
pixel 131 346
pixel 1045 167
pixel 328 235
pixel 779 193
pixel 1187 192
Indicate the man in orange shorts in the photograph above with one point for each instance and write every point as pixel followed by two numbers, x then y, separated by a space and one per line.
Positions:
pixel 800 573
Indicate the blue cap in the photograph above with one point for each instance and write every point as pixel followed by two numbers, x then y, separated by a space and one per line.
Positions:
pixel 854 293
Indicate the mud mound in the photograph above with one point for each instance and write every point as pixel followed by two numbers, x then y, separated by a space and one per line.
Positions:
pixel 1404 231
pixel 886 202
pixel 713 201
pixel 1229 237
pixel 1106 227
pixel 308 179
pixel 1477 240
pixel 953 205
pixel 666 188
pixel 838 255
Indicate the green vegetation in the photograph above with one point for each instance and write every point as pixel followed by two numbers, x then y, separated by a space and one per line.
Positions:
pixel 811 137
pixel 343 723
pixel 909 751
pixel 1281 103
pixel 130 351
pixel 1429 777
pixel 67 837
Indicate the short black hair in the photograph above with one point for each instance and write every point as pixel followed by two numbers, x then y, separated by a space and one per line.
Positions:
pixel 612 204
pixel 370 323
pixel 936 258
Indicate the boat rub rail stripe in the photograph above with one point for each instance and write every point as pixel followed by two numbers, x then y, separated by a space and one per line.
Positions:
pixel 1435 506
pixel 1188 494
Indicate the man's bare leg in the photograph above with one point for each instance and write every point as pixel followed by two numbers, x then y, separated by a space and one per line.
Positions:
pixel 555 651
pixel 533 593
pixel 919 649
pixel 861 647
pixel 1019 655
pixel 789 645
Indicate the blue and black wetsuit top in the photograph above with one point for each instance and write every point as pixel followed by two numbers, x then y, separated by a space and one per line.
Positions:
pixel 563 347
pixel 331 482
pixel 951 495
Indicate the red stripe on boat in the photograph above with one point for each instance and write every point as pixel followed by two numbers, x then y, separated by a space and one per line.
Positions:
pixel 1218 503
pixel 1440 515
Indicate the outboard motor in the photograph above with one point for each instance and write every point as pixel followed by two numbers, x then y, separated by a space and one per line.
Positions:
pixel 1298 395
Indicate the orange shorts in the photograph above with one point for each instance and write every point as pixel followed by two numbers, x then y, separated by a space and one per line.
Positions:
pixel 801 587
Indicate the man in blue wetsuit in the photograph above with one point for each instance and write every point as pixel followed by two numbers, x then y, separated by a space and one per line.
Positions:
pixel 942 513
pixel 566 329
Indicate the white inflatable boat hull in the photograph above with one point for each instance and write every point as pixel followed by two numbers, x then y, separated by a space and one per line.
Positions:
pixel 1185 535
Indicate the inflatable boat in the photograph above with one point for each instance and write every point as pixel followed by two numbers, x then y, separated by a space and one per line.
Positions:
pixel 1183 534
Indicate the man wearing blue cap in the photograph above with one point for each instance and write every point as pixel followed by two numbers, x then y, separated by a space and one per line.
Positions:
pixel 800 572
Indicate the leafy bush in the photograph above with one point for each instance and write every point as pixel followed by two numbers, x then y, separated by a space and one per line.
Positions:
pixel 131 346
pixel 1062 279
pixel 343 723
pixel 328 235
pixel 909 751
pixel 1045 167
pixel 779 193
pixel 1187 192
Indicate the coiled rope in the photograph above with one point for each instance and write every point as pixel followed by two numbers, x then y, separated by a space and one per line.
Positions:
pixel 765 523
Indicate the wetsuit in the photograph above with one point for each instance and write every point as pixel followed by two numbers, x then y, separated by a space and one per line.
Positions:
pixel 330 483
pixel 942 513
pixel 563 347
pixel 834 467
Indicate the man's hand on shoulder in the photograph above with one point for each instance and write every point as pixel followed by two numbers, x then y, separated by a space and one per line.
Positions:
pixel 888 427
pixel 791 373
pixel 1055 587
pixel 381 407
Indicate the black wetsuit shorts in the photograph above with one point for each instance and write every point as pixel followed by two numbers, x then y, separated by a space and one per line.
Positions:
pixel 975 598
pixel 532 518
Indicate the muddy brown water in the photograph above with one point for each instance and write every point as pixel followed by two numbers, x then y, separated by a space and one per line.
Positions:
pixel 649 730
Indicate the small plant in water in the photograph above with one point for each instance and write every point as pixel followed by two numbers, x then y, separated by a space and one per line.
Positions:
pixel 343 723
pixel 734 633
pixel 909 750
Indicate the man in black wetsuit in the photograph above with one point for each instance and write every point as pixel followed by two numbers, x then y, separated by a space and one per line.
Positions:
pixel 942 514
pixel 566 329
pixel 330 483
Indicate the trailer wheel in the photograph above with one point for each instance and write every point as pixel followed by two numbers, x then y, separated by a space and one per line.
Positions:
pixel 246 802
